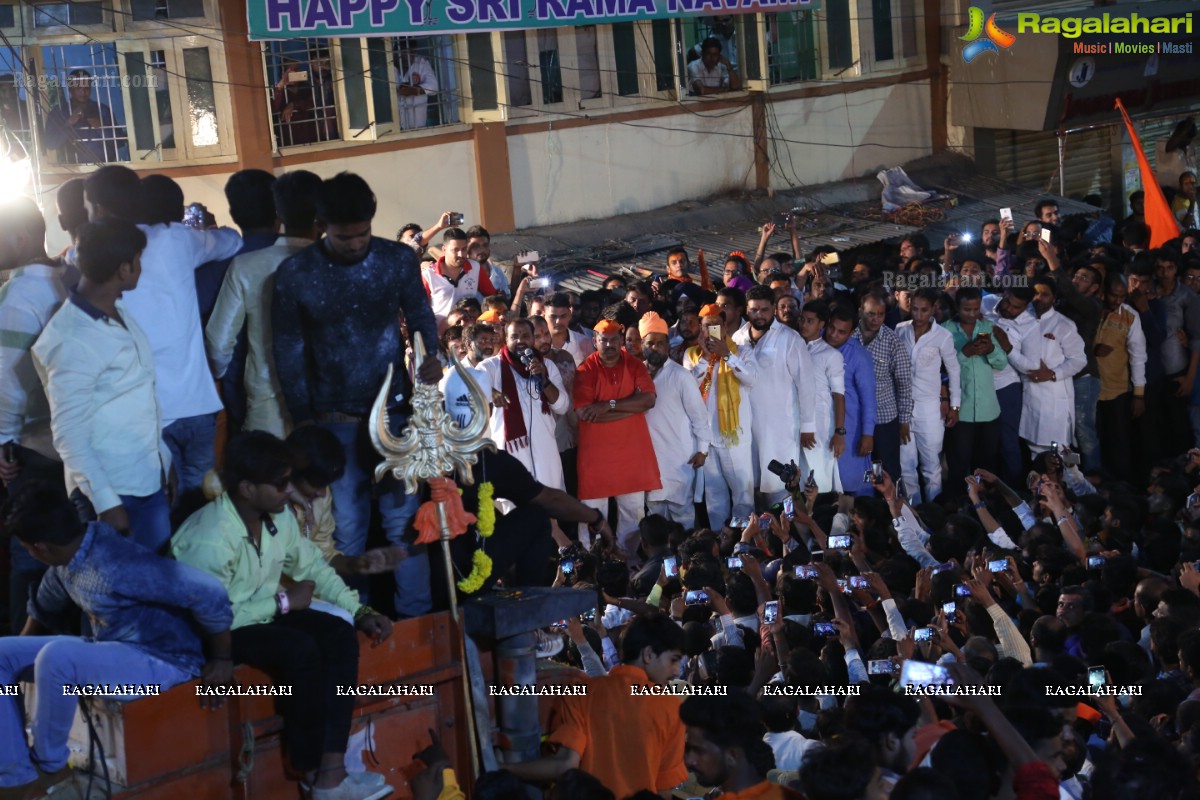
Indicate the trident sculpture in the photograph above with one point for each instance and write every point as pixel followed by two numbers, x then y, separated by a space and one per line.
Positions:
pixel 432 446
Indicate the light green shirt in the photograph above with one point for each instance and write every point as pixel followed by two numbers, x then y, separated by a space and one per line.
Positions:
pixel 215 540
pixel 979 402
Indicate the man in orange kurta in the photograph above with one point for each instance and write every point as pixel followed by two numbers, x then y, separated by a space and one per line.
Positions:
pixel 613 391
pixel 623 731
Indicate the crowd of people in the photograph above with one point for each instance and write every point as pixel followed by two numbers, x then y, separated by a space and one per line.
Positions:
pixel 798 493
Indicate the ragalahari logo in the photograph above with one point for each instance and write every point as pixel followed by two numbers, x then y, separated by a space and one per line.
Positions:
pixel 995 40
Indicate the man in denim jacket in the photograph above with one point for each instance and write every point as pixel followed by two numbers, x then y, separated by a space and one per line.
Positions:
pixel 146 613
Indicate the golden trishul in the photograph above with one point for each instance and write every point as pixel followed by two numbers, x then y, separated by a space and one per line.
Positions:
pixel 432 445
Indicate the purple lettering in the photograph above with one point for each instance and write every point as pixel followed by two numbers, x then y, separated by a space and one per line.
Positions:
pixel 278 9
pixel 351 9
pixel 637 7
pixel 550 10
pixel 320 13
pixel 676 6
pixel 612 8
pixel 381 7
pixel 491 11
pixel 578 7
pixel 414 11
pixel 460 12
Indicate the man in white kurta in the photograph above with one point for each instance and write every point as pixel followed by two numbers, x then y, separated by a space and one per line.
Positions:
pixel 1011 314
pixel 725 373
pixel 1048 358
pixel 679 426
pixel 781 399
pixel 828 392
pixel 530 396
pixel 416 81
pixel 932 349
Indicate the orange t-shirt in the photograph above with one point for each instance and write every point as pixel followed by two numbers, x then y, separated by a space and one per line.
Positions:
pixel 764 791
pixel 615 458
pixel 629 743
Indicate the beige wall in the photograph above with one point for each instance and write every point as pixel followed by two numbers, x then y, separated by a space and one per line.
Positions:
pixel 896 116
pixel 607 169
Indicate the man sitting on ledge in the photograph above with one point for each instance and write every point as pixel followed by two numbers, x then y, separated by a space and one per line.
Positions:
pixel 145 611
pixel 307 650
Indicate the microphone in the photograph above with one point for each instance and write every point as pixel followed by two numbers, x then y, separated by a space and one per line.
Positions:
pixel 527 356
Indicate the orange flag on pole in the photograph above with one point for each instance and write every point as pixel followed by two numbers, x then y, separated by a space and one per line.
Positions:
pixel 1162 223
pixel 705 279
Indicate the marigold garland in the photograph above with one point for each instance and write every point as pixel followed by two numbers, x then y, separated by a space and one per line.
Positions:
pixel 486 513
pixel 485 526
pixel 481 570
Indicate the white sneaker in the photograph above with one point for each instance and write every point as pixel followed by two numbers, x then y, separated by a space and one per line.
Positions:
pixel 352 788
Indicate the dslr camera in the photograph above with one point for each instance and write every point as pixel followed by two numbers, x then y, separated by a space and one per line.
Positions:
pixel 788 473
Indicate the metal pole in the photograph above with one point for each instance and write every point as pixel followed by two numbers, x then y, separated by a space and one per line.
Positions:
pixel 461 630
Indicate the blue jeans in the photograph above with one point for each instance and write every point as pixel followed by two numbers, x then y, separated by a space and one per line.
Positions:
pixel 1010 439
pixel 352 503
pixel 149 517
pixel 1087 394
pixel 192 442
pixel 51 662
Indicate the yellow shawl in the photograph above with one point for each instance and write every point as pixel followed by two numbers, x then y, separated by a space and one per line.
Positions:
pixel 729 394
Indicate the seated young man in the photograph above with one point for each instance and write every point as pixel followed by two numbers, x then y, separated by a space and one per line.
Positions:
pixel 249 539
pixel 145 612
pixel 629 741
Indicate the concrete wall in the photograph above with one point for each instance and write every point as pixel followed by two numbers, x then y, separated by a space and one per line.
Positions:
pixel 818 131
pixel 606 169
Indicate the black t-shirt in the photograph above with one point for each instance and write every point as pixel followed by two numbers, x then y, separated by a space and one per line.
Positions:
pixel 510 480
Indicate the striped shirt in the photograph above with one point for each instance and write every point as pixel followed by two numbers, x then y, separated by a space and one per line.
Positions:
pixel 27 302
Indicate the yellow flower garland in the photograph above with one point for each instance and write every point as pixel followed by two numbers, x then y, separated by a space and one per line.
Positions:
pixel 485 526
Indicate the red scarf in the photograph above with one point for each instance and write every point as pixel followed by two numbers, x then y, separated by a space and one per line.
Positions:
pixel 516 434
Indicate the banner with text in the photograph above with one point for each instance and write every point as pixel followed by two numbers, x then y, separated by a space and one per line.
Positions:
pixel 287 19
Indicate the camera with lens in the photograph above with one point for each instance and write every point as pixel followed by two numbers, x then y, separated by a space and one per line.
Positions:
pixel 788 473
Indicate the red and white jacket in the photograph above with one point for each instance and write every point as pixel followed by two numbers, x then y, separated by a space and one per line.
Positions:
pixel 443 295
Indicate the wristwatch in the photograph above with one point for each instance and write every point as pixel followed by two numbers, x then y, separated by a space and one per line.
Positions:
pixel 599 519
pixel 839 431
pixel 612 405
pixel 955 408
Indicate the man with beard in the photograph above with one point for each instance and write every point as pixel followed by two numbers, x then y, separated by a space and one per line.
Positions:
pixel 681 450
pixel 860 400
pixel 779 429
pixel 688 330
pixel 613 392
pixel 893 382
pixel 1047 360
pixel 974 409
pixel 527 395
pixel 724 747
pixel 787 311
pixel 481 343
pixel 829 400
pixel 566 426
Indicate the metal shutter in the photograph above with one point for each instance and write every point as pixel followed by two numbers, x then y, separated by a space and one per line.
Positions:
pixel 1031 158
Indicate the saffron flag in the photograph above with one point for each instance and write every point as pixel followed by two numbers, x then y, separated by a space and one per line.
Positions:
pixel 705 279
pixel 1162 223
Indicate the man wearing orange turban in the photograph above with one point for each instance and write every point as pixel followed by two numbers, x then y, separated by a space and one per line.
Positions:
pixel 612 394
pixel 681 449
pixel 725 373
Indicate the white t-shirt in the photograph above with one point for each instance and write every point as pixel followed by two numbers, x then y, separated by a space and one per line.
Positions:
pixel 456 395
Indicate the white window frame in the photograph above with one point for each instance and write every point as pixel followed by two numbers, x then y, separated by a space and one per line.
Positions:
pixel 211 20
pixel 342 78
pixel 184 150
pixel 857 24
pixel 898 62
pixel 106 26
pixel 17 29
